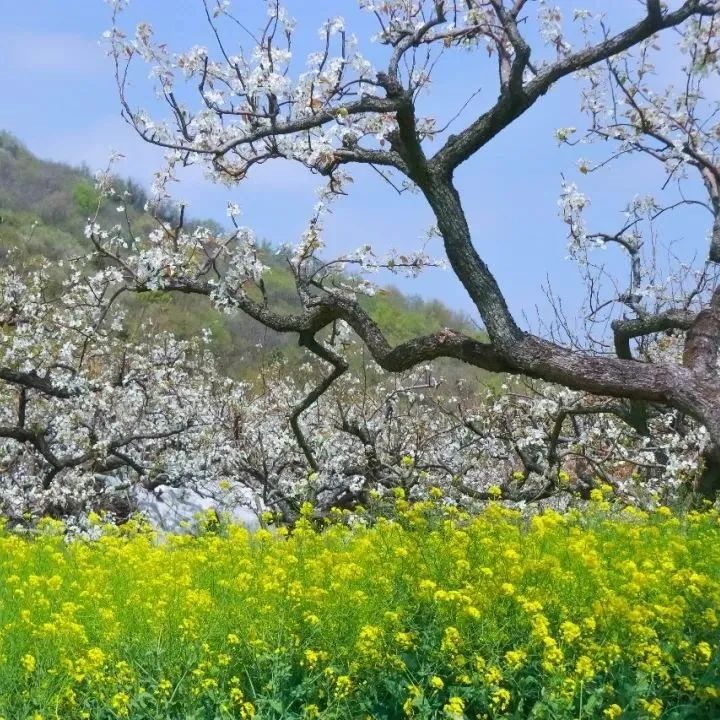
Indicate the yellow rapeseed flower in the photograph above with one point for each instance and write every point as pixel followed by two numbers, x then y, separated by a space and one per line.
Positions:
pixel 28 662
pixel 454 708
pixel 500 699
pixel 653 707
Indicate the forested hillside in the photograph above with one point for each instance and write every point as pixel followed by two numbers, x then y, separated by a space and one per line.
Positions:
pixel 44 208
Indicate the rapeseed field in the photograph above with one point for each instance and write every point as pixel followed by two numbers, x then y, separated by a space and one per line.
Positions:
pixel 432 613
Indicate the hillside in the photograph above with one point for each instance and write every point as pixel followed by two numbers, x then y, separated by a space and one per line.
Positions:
pixel 43 210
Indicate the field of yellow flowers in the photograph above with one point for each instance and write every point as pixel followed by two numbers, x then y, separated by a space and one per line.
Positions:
pixel 604 613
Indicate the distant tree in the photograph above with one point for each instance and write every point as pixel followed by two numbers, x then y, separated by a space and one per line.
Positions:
pixel 86 197
pixel 136 194
pixel 10 143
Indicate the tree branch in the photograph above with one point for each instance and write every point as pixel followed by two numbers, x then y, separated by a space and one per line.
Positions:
pixel 516 100
pixel 340 366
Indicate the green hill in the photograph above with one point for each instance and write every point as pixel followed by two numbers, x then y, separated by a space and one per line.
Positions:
pixel 44 208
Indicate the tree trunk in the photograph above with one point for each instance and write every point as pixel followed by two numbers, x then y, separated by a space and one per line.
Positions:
pixel 708 484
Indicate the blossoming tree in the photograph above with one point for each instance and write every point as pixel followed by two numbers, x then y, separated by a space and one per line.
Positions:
pixel 78 401
pixel 253 106
pixel 92 417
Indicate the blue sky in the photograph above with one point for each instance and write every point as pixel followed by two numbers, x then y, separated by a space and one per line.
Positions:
pixel 62 103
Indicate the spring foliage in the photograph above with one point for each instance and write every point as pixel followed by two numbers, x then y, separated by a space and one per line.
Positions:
pixel 433 613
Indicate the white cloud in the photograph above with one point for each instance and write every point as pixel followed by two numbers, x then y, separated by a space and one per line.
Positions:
pixel 45 52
